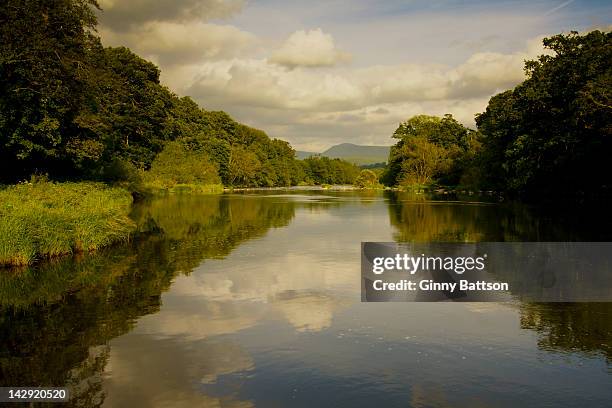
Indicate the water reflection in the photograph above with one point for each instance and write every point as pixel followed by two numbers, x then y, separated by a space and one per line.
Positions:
pixel 452 218
pixel 253 300
pixel 58 318
pixel 572 327
pixel 165 371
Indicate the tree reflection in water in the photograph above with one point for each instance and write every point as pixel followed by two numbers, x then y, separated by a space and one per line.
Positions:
pixel 57 319
pixel 570 327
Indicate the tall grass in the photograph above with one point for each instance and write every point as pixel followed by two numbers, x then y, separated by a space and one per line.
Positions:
pixel 43 219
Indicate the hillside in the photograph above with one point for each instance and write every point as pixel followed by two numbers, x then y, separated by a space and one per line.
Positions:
pixel 353 153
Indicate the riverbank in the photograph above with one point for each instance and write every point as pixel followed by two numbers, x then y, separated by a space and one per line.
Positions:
pixel 157 189
pixel 43 220
pixel 341 187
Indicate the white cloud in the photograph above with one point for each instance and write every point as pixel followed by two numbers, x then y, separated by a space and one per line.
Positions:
pixel 259 84
pixel 169 43
pixel 174 33
pixel 265 69
pixel 487 73
pixel 317 108
pixel 312 48
pixel 227 68
pixel 124 15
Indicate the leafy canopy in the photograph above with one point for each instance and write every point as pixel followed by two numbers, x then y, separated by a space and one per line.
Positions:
pixel 553 132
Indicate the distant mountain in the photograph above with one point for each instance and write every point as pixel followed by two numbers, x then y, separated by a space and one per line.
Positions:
pixel 358 154
pixel 353 153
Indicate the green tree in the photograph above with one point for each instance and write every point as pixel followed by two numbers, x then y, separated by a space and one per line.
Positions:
pixel 73 109
pixel 429 150
pixel 422 160
pixel 552 133
pixel 445 131
pixel 366 179
pixel 129 111
pixel 177 164
pixel 323 170
pixel 243 166
pixel 43 65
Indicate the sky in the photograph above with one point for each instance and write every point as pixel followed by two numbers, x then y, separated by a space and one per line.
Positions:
pixel 321 72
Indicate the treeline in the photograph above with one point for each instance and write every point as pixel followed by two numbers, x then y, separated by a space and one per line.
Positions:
pixel 72 109
pixel 550 135
pixel 323 170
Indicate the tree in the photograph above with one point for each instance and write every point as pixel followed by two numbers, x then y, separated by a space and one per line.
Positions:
pixel 552 132
pixel 243 166
pixel 445 131
pixel 428 149
pixel 177 164
pixel 422 160
pixel 366 179
pixel 129 110
pixel 43 61
pixel 323 170
pixel 73 109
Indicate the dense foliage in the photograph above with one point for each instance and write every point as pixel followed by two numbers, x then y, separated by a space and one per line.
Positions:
pixel 44 49
pixel 553 131
pixel 178 165
pixel 323 170
pixel 367 179
pixel 75 110
pixel 550 134
pixel 430 150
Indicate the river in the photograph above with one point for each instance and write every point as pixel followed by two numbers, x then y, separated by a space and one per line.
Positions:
pixel 253 300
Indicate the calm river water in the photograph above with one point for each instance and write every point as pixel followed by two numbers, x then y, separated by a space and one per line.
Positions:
pixel 253 300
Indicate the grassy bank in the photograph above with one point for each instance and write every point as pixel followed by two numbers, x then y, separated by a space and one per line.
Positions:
pixel 159 188
pixel 43 219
